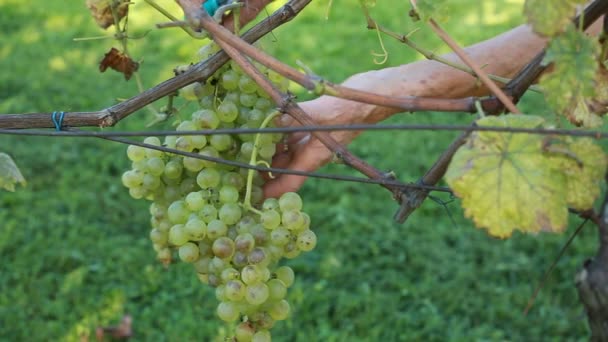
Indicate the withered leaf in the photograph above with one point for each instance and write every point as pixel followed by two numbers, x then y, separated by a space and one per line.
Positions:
pixel 119 62
pixel 101 10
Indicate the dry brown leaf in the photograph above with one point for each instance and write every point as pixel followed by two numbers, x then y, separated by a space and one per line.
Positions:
pixel 120 62
pixel 101 11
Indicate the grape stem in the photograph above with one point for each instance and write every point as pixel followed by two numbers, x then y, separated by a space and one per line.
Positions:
pixel 254 161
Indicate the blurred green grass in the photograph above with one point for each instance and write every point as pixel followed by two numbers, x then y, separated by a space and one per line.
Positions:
pixel 74 246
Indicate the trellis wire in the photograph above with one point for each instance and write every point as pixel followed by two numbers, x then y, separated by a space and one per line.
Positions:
pixel 279 170
pixel 351 127
pixel 116 137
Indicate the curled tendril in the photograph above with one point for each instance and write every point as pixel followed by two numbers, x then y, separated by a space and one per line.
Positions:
pixel 384 54
pixel 265 163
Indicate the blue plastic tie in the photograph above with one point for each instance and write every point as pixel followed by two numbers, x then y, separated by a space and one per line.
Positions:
pixel 58 122
pixel 211 7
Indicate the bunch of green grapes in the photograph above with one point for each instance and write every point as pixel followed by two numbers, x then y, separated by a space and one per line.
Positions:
pixel 214 216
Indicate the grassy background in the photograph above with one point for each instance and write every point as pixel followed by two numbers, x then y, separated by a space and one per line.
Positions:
pixel 74 245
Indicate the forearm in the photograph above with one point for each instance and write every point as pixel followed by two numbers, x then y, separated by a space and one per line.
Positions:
pixel 503 55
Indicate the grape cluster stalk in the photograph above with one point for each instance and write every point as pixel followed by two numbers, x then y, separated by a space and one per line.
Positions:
pixel 214 216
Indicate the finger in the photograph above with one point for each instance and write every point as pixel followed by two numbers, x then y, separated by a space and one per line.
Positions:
pixel 280 161
pixel 284 183
pixel 285 151
pixel 286 120
pixel 308 159
pixel 297 139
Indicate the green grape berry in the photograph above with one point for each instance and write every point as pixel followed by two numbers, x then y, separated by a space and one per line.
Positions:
pixel 178 212
pixel 228 311
pixel 195 201
pixel 230 213
pixel 230 80
pixel 307 240
pixel 290 201
pixel 206 119
pixel 251 274
pixel 277 289
pixel 256 293
pixel 223 247
pixel 261 336
pixel 247 85
pixel 208 178
pixel 178 235
pixel 216 229
pixel 227 111
pixel 156 166
pixel 136 153
pixel 270 219
pixel 188 252
pixel 196 229
pixel 244 242
pixel 235 290
pixel 244 332
pixel 286 275
pixel 280 310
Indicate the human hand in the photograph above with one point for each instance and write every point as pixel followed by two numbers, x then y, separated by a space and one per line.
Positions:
pixel 306 153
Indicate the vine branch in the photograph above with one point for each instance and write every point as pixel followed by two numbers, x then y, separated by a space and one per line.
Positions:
pixel 321 86
pixel 413 199
pixel 592 280
pixel 286 103
pixel 198 72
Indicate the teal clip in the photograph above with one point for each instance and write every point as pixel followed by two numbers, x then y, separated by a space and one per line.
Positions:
pixel 58 122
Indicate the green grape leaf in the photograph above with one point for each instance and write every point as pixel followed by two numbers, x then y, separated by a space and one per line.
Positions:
pixel 574 79
pixel 549 18
pixel 526 182
pixel 584 164
pixel 427 9
pixel 9 173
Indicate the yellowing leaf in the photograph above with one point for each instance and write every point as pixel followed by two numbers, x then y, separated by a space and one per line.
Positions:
pixel 549 18
pixel 584 164
pixel 504 181
pixel 575 79
pixel 527 182
pixel 9 173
